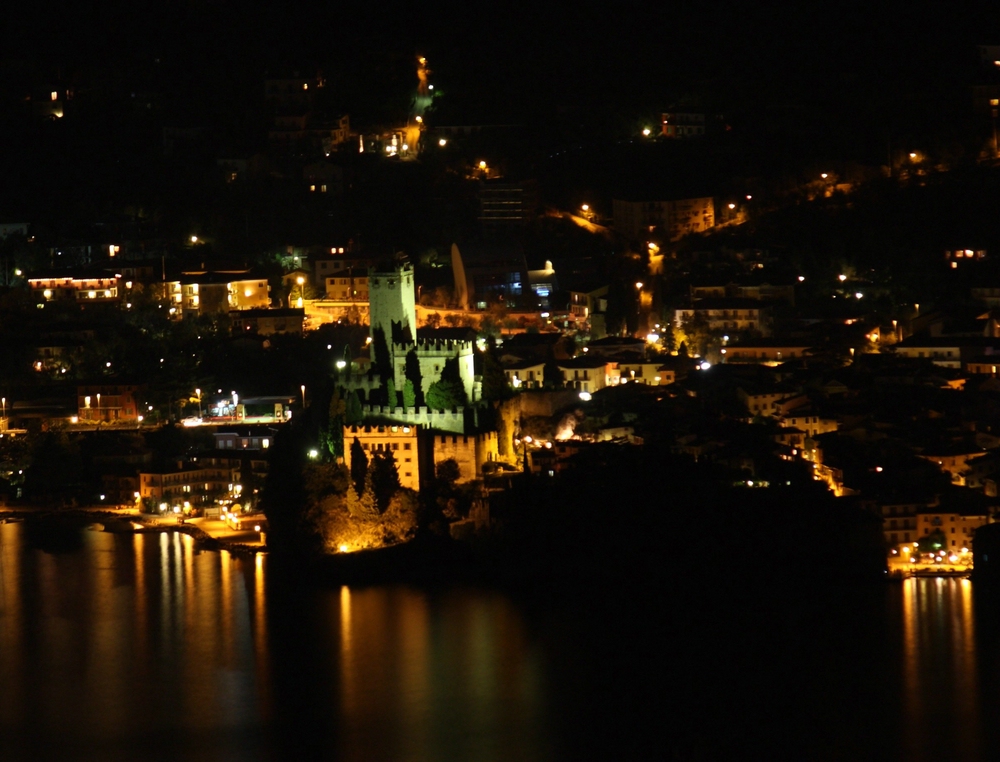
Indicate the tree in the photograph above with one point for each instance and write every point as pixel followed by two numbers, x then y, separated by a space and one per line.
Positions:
pixel 409 395
pixel 353 413
pixel 359 465
pixel 414 376
pixel 495 386
pixel 384 478
pixel 383 361
pixel 390 393
pixel 445 395
pixel 552 377
pixel 448 472
pixel 335 424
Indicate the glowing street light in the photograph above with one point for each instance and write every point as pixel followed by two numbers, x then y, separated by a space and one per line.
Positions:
pixel 194 239
pixel 303 388
pixel 639 284
pixel 482 165
pixel 841 278
pixel 198 392
pixel 646 132
pixel 585 207
pixel 442 142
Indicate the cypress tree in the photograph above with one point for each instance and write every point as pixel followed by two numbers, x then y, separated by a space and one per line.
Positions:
pixel 413 375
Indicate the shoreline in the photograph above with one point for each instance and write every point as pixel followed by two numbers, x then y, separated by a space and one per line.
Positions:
pixel 123 522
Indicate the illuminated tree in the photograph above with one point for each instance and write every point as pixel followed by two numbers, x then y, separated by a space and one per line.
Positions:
pixel 390 393
pixel 409 395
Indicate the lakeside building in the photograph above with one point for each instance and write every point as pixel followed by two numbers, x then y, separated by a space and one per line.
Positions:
pixel 188 486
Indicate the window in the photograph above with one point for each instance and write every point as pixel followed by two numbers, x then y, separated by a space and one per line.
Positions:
pixel 406 445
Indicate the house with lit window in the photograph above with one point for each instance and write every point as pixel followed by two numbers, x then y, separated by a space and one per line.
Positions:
pixel 82 286
pixel 209 293
pixel 727 315
pixel 348 286
pixel 958 528
pixel 184 487
pixel 764 352
pixel 108 403
pixel 524 374
pixel 585 374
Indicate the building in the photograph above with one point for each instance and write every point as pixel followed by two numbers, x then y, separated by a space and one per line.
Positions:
pixel 652 373
pixel 337 261
pixel 728 315
pixel 268 322
pixel 772 352
pixel 207 293
pixel 188 486
pixel 504 204
pixel 525 374
pixel 348 286
pixel 680 125
pixel 108 403
pixel 673 219
pixel 83 287
pixel 958 528
pixel 585 374
pixel 401 440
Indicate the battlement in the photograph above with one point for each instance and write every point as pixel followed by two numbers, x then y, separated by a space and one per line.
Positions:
pixel 433 345
pixel 445 420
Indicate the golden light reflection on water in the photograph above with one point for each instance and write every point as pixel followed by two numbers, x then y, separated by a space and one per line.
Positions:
pixel 132 636
pixel 406 655
pixel 939 666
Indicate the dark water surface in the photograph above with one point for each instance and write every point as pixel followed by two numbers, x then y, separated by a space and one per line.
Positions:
pixel 117 646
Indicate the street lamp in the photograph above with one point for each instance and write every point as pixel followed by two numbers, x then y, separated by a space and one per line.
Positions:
pixel 198 392
pixel 303 388
pixel 236 401
pixel 98 408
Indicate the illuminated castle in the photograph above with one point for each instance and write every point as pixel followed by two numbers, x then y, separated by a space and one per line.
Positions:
pixel 392 307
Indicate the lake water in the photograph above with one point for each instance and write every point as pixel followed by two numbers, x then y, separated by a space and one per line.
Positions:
pixel 116 646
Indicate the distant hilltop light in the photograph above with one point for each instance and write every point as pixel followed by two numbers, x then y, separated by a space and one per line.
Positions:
pixel 194 239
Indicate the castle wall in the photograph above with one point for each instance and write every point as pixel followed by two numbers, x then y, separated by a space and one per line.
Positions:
pixel 469 451
pixel 435 419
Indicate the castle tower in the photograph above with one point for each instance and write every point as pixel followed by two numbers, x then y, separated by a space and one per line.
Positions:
pixel 391 300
